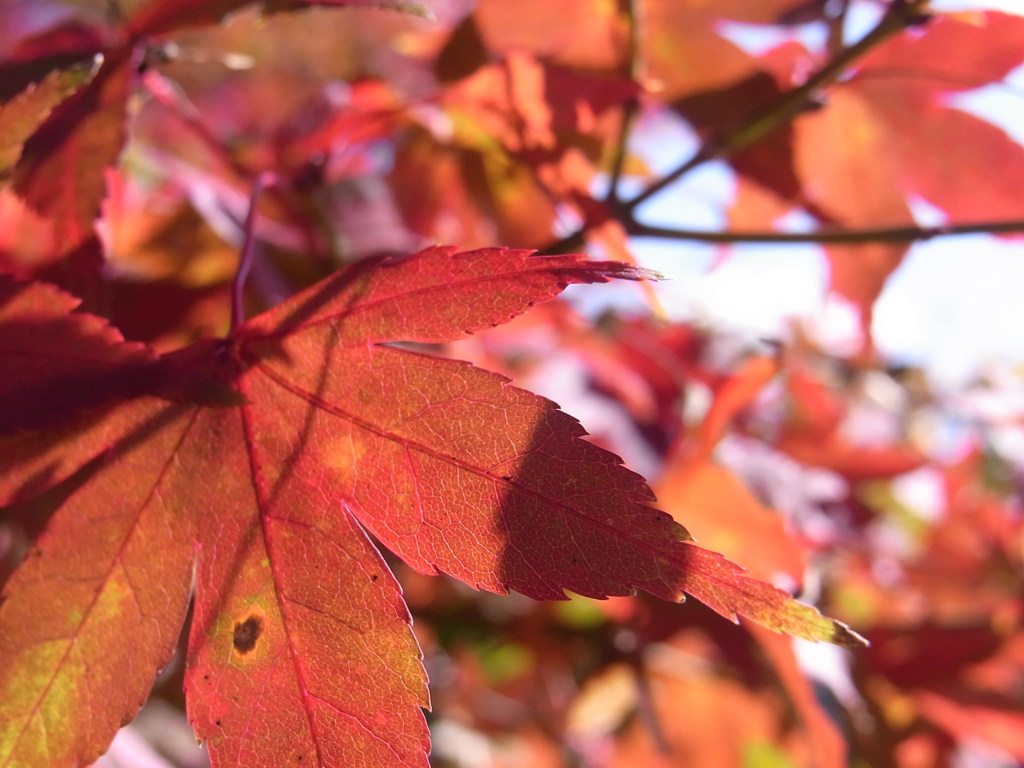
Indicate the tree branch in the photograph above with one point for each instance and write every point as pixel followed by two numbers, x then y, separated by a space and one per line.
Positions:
pixel 631 10
pixel 900 15
pixel 907 234
pixel 245 259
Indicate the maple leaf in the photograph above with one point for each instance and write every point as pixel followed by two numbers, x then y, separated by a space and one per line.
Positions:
pixel 60 170
pixel 161 16
pixel 22 115
pixel 274 452
pixel 597 40
pixel 908 82
pixel 57 363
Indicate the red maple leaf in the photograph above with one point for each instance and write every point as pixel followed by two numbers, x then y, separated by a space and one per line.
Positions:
pixel 265 460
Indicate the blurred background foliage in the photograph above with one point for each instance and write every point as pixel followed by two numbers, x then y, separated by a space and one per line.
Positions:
pixel 805 455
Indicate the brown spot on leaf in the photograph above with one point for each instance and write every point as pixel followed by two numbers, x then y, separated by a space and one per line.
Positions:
pixel 247 633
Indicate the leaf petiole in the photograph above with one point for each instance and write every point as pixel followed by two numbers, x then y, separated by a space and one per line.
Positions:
pixel 263 180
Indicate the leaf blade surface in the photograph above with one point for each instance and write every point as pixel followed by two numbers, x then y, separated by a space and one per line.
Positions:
pixel 114 570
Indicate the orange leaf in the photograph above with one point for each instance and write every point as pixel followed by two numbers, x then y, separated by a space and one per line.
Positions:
pixel 854 462
pixel 722 514
pixel 598 39
pixel 845 159
pixel 60 173
pixel 22 115
pixel 827 742
pixel 990 718
pixel 732 396
pixel 957 51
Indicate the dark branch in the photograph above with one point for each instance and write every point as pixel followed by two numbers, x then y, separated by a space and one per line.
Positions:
pixel 632 107
pixel 245 259
pixel 908 234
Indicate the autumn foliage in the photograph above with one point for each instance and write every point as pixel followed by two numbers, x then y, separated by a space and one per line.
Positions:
pixel 276 282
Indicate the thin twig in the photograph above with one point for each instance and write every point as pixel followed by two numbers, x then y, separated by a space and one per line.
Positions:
pixel 264 180
pixel 836 27
pixel 646 708
pixel 907 234
pixel 632 107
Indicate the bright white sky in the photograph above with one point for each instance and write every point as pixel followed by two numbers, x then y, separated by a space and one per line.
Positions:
pixel 954 306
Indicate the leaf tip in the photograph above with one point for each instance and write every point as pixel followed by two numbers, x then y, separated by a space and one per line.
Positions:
pixel 843 635
pixel 650 274
pixel 623 270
